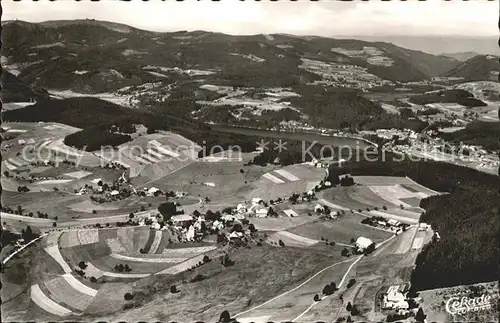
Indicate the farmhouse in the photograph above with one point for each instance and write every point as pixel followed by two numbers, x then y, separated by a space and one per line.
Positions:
pixel 262 212
pixel 393 222
pixel 423 227
pixel 395 299
pixel 114 193
pixel 241 208
pixel 181 219
pixel 318 208
pixel 257 200
pixel 152 191
pixel 363 243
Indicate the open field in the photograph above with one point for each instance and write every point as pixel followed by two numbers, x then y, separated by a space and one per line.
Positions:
pixel 341 230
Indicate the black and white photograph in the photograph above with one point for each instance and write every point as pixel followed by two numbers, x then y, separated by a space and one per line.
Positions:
pixel 250 161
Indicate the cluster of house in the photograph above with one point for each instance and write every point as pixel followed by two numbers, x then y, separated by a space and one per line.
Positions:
pixel 257 207
pixel 400 134
pixel 395 298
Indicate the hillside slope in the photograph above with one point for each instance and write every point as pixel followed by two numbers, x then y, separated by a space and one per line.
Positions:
pixel 478 68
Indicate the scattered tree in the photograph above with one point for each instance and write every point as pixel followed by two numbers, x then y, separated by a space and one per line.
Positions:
pixel 224 317
pixel 420 316
pixel 82 265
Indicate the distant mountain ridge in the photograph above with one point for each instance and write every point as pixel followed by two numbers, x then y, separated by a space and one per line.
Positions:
pixel 462 56
pixel 110 56
pixel 478 68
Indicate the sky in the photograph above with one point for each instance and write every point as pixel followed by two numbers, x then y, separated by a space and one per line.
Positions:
pixel 325 18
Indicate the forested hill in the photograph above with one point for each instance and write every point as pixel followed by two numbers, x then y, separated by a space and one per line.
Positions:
pixel 478 68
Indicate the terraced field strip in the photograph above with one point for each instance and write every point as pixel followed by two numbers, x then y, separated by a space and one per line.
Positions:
pixel 45 303
pixel 78 285
pixel 163 150
pixel 152 152
pixel 79 174
pixel 289 176
pixel 142 160
pixel 45 143
pixel 273 178
pixel 156 242
pixel 55 181
pixel 63 293
pixel 91 270
pixel 153 260
pixel 88 236
pixel 149 242
pixel 9 165
pixel 332 205
pixel 181 267
pixel 422 188
pixel 17 162
pixel 406 240
pixel 189 250
pixel 150 158
pixel 301 240
pixel 54 252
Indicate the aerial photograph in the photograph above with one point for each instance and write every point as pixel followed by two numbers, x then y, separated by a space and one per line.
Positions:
pixel 250 161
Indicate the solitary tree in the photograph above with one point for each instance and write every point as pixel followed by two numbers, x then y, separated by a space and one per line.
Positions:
pixel 281 243
pixel 82 265
pixel 173 289
pixel 128 296
pixel 348 307
pixel 316 298
pixel 224 317
pixel 420 316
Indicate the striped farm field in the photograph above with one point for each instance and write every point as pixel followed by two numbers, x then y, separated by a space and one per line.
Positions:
pixel 60 291
pixel 292 239
pixel 149 242
pixel 179 252
pixel 181 267
pixel 273 178
pixel 148 259
pixel 341 230
pixel 45 303
pixel 165 241
pixel 286 174
pixel 156 241
pixel 107 265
